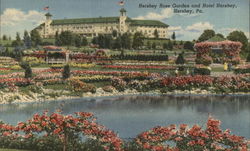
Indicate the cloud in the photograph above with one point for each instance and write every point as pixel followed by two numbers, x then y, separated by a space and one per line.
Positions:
pixel 174 28
pixel 199 27
pixel 14 17
pixel 191 31
pixel 165 13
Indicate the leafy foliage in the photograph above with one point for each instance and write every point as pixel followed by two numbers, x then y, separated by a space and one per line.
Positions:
pixel 66 72
pixel 207 34
pixel 240 37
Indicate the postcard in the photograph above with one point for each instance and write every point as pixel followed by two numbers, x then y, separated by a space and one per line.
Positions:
pixel 124 75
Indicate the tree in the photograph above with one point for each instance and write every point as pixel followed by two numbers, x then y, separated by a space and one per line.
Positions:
pixel 27 39
pixel 154 45
pixel 104 41
pixel 27 68
pixel 117 43
pixel 58 41
pixel 240 37
pixel 95 40
pixel 17 42
pixel 220 35
pixel 149 46
pixel 180 59
pixel 35 38
pixel 173 36
pixel 138 40
pixel 114 33
pixel 181 42
pixel 188 45
pixel 84 41
pixel 66 72
pixel 207 34
pixel 67 38
pixel 170 45
pixel 5 37
pixel 126 41
pixel 248 57
pixel 156 34
pixel 165 46
pixel 78 40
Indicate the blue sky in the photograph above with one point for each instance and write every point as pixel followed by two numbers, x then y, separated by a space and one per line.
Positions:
pixel 18 15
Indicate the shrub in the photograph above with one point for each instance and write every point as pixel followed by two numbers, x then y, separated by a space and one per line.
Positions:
pixel 66 72
pixel 78 86
pixel 201 71
pixel 89 88
pixel 248 57
pixel 118 83
pixel 203 61
pixel 108 88
pixel 27 68
pixel 180 59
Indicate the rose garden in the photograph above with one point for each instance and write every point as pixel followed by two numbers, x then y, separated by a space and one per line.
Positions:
pixel 41 74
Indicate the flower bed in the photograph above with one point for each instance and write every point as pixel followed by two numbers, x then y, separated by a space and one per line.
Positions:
pixel 191 139
pixel 64 128
pixel 64 132
pixel 78 65
pixel 16 81
pixel 138 67
pixel 141 57
pixel 242 69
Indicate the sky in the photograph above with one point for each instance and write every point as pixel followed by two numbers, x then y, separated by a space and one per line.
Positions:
pixel 20 15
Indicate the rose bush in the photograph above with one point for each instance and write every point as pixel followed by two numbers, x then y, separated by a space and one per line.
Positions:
pixel 63 132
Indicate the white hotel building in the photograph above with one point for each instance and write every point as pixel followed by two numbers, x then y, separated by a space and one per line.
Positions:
pixel 91 27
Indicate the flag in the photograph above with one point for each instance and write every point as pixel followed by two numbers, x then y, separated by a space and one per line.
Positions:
pixel 121 3
pixel 46 8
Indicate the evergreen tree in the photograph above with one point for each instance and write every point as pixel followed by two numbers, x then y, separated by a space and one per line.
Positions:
pixel 114 33
pixel 173 36
pixel 180 59
pixel 66 72
pixel 4 37
pixel 156 34
pixel 27 68
pixel 27 39
pixel 17 42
